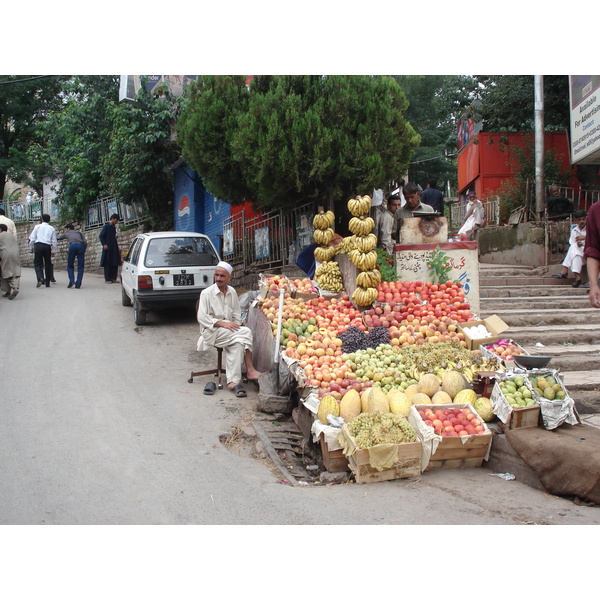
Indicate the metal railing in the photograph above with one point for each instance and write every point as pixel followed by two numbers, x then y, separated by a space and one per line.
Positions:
pixel 491 207
pixel 270 240
pixel 99 212
pixel 23 212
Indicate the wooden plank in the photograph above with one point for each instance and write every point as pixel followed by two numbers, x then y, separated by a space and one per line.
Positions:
pixel 272 454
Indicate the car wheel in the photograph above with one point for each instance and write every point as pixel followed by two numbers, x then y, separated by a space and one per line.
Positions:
pixel 139 315
pixel 125 300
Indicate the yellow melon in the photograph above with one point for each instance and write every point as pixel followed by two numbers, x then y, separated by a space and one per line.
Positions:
pixel 453 382
pixel 429 384
pixel 411 390
pixel 378 402
pixel 421 398
pixel 441 397
pixel 465 396
pixel 350 406
pixel 399 403
pixel 364 400
pixel 328 406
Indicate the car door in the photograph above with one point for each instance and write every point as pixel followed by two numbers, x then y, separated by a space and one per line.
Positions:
pixel 129 270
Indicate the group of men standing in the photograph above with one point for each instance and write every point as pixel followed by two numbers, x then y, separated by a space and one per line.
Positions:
pixel 390 221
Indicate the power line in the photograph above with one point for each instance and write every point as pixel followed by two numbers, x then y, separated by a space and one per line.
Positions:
pixel 24 80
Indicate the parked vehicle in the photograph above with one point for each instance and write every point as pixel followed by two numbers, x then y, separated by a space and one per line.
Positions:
pixel 166 269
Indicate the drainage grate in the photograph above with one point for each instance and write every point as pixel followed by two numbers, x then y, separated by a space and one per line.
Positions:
pixel 284 444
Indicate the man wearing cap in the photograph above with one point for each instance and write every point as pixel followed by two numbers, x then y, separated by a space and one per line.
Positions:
pixel 219 316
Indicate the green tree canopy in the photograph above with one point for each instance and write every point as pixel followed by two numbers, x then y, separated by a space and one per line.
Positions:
pixel 292 139
pixel 25 100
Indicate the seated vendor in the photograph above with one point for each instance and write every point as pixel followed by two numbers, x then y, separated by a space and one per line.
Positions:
pixel 558 204
pixel 219 316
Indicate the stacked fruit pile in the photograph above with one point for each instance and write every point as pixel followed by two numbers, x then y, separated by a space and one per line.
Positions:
pixel 517 392
pixel 505 349
pixel 363 254
pixel 323 234
pixel 452 422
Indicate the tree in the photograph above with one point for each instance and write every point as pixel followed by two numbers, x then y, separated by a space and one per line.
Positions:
pixel 141 148
pixel 25 100
pixel 98 146
pixel 436 102
pixel 292 139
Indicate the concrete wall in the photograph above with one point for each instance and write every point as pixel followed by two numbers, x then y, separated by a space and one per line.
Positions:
pixel 92 254
pixel 521 244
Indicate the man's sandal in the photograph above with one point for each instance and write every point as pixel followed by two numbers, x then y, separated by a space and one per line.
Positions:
pixel 239 390
pixel 209 388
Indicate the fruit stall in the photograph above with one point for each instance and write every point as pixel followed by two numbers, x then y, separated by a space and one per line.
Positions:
pixel 399 375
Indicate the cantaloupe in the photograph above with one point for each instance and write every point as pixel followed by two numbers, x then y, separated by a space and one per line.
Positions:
pixel 411 390
pixel 429 384
pixel 465 396
pixel 453 382
pixel 350 406
pixel 364 400
pixel 399 403
pixel 441 397
pixel 483 407
pixel 328 406
pixel 421 398
pixel 378 402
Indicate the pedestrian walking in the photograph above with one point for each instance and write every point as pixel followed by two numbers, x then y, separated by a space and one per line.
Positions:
pixel 10 224
pixel 10 263
pixel 111 255
pixel 77 248
pixel 42 242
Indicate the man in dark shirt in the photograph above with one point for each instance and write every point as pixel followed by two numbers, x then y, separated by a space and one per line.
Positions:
pixel 434 197
pixel 591 252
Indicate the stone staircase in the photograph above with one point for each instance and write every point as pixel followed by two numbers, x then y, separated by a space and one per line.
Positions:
pixel 548 316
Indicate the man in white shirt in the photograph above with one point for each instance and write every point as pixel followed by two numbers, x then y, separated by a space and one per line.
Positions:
pixel 10 224
pixel 43 244
pixel 219 316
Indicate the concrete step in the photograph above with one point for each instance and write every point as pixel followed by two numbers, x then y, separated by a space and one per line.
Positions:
pixel 492 305
pixel 521 280
pixel 536 291
pixel 555 335
pixel 522 317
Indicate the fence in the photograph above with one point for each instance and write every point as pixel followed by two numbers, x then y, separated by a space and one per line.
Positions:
pixel 491 207
pixel 99 212
pixel 271 240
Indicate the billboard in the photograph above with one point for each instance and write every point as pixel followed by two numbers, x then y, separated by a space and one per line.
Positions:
pixel 584 96
pixel 130 85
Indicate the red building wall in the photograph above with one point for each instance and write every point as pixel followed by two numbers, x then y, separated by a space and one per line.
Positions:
pixel 489 159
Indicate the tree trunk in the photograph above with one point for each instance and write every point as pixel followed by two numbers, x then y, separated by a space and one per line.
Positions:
pixel 588 177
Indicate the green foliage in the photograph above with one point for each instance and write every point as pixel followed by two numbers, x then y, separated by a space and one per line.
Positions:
pixel 98 146
pixel 385 264
pixel 513 193
pixel 439 266
pixel 292 139
pixel 25 100
pixel 507 102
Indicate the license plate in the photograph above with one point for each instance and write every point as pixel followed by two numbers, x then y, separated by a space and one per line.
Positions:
pixel 183 279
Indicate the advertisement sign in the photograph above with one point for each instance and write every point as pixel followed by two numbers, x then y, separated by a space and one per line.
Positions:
pixel 584 95
pixel 227 240
pixel 261 243
pixel 131 84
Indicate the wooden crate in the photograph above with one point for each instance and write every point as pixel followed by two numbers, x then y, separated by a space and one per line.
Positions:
pixel 454 452
pixel 334 460
pixel 408 464
pixel 524 417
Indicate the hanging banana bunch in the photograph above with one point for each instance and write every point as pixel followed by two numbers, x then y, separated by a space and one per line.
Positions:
pixel 323 234
pixel 329 277
pixel 363 254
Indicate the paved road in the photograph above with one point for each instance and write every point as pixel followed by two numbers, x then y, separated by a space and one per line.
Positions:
pixel 100 426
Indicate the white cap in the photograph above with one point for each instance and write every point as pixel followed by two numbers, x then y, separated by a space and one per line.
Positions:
pixel 226 266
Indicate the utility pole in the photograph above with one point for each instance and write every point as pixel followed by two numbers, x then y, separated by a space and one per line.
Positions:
pixel 539 143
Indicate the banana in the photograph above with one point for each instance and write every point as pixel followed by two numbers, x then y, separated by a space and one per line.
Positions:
pixel 371 278
pixel 323 236
pixel 361 205
pixel 361 225
pixel 364 296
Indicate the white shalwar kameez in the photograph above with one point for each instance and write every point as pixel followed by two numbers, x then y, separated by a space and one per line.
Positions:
pixel 574 258
pixel 215 306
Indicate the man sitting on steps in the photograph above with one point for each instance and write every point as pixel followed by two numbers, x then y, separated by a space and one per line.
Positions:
pixel 219 316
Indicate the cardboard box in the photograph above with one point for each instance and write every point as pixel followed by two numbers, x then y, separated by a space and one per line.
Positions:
pixel 405 460
pixel 334 460
pixel 494 324
pixel 451 452
pixel 508 363
pixel 514 418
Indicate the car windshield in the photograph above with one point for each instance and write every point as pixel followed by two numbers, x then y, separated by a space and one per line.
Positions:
pixel 180 252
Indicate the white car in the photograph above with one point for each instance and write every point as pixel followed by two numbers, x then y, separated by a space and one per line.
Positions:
pixel 166 269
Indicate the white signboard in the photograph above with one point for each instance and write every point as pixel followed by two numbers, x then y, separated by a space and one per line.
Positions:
pixel 584 92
